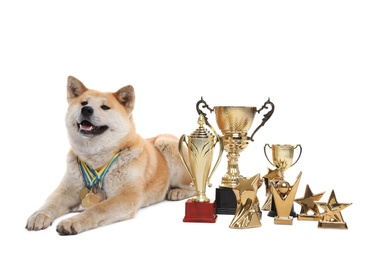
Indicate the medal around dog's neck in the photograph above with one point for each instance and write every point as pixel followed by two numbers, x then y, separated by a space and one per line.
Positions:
pixel 94 177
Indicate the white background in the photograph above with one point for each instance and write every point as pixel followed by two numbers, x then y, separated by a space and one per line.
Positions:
pixel 311 58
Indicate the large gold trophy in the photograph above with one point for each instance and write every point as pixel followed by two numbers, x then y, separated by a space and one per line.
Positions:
pixel 282 159
pixel 200 144
pixel 234 123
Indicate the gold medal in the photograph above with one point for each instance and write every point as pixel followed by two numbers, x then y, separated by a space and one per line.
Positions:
pixel 101 193
pixel 86 201
pixel 84 192
pixel 94 199
pixel 93 179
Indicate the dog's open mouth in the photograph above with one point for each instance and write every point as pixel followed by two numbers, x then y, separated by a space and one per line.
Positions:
pixel 87 128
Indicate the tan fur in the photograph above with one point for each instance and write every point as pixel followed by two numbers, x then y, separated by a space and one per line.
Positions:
pixel 147 171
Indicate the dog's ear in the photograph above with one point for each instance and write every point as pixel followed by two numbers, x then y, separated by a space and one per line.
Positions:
pixel 126 96
pixel 74 88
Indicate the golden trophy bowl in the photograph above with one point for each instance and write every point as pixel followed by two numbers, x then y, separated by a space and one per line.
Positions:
pixel 235 123
pixel 282 156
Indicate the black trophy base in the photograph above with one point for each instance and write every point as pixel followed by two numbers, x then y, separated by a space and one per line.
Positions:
pixel 273 212
pixel 225 201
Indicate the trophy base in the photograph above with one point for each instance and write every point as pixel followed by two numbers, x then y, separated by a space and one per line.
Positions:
pixel 283 220
pixel 309 217
pixel 252 222
pixel 200 212
pixel 225 201
pixel 273 212
pixel 334 225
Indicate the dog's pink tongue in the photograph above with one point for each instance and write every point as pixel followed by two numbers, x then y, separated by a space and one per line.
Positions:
pixel 86 127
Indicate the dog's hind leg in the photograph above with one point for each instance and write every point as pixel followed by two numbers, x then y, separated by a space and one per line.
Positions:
pixel 179 177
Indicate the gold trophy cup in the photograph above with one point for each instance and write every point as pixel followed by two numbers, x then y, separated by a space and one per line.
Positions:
pixel 200 144
pixel 282 159
pixel 282 156
pixel 234 123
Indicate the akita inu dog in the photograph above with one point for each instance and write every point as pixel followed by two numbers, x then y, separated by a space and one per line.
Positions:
pixel 111 171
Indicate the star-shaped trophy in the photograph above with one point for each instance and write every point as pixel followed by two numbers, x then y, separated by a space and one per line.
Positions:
pixel 309 209
pixel 247 213
pixel 271 176
pixel 332 217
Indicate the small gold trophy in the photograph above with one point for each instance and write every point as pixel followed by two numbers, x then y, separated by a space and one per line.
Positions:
pixel 284 195
pixel 200 145
pixel 234 123
pixel 332 217
pixel 282 159
pixel 247 213
pixel 309 209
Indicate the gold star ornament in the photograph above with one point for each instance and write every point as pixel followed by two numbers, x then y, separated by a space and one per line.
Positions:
pixel 247 208
pixel 332 217
pixel 309 209
pixel 271 176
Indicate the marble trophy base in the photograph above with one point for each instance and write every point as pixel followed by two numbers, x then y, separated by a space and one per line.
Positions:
pixel 200 212
pixel 225 201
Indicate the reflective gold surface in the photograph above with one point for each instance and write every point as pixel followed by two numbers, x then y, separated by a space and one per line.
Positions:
pixel 234 119
pixel 282 159
pixel 284 195
pixel 283 155
pixel 271 176
pixel 200 145
pixel 247 209
pixel 309 209
pixel 332 217
pixel 234 123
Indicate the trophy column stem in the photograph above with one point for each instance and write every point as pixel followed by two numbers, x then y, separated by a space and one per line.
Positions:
pixel 230 179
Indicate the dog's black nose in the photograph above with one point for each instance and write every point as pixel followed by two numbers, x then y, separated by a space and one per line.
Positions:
pixel 87 111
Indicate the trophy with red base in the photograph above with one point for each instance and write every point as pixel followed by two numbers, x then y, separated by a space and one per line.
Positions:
pixel 200 144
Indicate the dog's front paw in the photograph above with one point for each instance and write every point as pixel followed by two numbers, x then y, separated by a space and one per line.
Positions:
pixel 180 194
pixel 69 227
pixel 38 221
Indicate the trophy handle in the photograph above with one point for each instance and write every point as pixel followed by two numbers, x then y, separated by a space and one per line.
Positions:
pixel 219 140
pixel 300 152
pixel 265 117
pixel 182 140
pixel 266 154
pixel 205 105
pixel 221 146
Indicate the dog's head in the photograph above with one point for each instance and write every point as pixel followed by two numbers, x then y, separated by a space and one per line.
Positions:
pixel 98 120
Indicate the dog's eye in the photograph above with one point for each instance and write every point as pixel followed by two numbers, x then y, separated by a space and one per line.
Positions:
pixel 84 103
pixel 105 107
